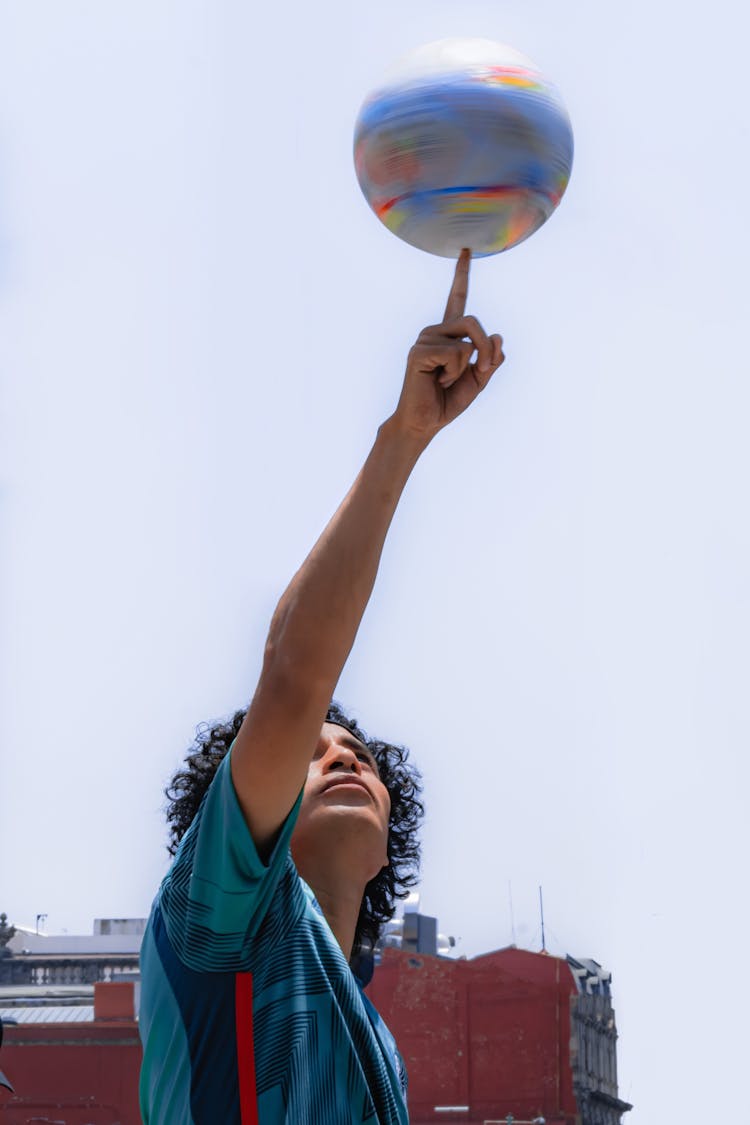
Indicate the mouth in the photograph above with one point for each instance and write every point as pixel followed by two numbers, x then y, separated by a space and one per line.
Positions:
pixel 350 780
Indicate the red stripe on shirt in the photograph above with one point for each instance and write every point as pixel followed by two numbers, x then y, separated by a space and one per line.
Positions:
pixel 243 1015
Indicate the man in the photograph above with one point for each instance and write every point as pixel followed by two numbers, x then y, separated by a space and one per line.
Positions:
pixel 250 1010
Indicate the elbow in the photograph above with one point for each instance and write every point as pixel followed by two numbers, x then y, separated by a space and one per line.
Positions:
pixel 292 673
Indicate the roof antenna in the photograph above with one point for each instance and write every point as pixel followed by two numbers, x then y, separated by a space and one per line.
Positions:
pixel 541 911
pixel 512 919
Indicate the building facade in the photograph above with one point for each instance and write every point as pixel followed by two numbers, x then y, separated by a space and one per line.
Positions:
pixel 508 1035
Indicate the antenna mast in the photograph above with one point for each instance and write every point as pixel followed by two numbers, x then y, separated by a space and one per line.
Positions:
pixel 541 911
pixel 512 919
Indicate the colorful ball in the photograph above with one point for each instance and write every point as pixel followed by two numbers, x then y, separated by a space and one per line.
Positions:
pixel 465 144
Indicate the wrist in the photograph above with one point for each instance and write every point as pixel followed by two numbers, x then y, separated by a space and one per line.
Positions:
pixel 403 439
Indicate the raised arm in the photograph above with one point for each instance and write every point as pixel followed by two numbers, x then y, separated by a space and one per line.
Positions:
pixel 317 618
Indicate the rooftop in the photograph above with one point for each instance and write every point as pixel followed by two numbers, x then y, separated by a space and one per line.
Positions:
pixel 111 936
pixel 68 1013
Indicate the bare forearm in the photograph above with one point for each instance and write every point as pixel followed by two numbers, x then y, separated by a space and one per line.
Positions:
pixel 317 618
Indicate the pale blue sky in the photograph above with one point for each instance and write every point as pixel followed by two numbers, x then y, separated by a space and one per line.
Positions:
pixel 202 324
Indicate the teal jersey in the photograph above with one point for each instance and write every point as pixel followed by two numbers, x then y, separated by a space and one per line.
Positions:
pixel 250 1013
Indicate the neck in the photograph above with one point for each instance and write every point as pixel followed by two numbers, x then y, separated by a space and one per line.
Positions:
pixel 340 895
pixel 341 916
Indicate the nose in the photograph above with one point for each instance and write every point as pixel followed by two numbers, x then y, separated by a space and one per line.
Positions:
pixel 341 758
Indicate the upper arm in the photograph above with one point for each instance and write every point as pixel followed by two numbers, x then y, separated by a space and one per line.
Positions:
pixel 273 750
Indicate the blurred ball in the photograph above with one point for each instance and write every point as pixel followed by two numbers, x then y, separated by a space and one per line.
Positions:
pixel 464 144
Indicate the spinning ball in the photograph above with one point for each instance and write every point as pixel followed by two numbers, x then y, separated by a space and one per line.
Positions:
pixel 464 144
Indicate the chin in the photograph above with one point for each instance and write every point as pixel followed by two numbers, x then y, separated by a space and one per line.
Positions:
pixel 341 827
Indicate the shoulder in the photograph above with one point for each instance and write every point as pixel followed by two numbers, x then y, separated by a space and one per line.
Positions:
pixel 219 890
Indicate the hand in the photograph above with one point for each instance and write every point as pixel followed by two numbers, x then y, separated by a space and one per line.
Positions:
pixel 440 381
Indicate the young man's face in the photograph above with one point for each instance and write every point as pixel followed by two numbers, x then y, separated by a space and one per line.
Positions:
pixel 345 803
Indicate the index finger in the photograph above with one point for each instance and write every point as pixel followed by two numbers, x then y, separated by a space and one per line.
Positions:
pixel 456 305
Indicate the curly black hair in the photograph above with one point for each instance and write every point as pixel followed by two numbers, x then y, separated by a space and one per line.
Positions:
pixel 400 777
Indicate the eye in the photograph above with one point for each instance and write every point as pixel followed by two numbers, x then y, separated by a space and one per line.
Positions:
pixel 369 761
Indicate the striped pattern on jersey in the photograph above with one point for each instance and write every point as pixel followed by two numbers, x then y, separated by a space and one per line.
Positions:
pixel 249 1010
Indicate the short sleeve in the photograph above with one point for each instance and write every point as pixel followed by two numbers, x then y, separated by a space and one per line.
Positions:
pixel 218 889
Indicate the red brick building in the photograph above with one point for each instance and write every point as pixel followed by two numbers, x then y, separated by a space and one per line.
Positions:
pixel 79 1072
pixel 508 1033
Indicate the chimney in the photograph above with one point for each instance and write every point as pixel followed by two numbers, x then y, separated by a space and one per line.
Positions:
pixel 114 1000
